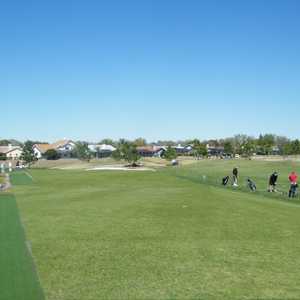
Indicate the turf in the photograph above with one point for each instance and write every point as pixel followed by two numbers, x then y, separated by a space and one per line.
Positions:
pixel 162 235
pixel 20 178
pixel 18 279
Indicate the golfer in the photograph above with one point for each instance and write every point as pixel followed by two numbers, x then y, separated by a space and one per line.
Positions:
pixel 235 173
pixel 272 182
pixel 293 178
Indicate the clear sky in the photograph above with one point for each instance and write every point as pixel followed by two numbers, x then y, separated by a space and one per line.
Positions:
pixel 163 69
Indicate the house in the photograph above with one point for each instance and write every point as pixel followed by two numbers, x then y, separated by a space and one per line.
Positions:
pixel 151 151
pixel 63 147
pixel 101 150
pixel 183 150
pixel 215 150
pixel 11 152
pixel 40 149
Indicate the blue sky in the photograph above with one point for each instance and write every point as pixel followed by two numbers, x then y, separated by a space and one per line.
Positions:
pixel 161 69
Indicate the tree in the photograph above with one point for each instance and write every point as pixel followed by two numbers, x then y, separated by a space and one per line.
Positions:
pixel 140 142
pixel 82 151
pixel 248 147
pixel 199 149
pixel 28 154
pixel 52 154
pixel 127 151
pixel 266 143
pixel 170 153
pixel 295 147
pixel 228 147
pixel 107 141
pixel 10 141
pixel 282 142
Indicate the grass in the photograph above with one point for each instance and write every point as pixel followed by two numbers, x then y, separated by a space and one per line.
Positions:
pixel 18 279
pixel 20 178
pixel 211 173
pixel 162 235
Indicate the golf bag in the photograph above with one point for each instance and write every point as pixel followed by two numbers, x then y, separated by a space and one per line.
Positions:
pixel 251 185
pixel 225 180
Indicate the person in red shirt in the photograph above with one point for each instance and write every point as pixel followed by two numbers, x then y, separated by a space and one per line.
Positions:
pixel 293 178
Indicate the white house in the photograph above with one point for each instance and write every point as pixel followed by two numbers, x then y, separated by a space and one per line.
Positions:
pixel 101 150
pixel 63 147
pixel 11 152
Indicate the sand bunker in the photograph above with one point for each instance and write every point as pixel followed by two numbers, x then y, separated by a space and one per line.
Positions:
pixel 119 168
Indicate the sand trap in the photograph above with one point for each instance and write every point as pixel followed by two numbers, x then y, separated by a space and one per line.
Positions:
pixel 119 168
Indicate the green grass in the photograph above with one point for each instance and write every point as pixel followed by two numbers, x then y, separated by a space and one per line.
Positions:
pixel 162 235
pixel 18 280
pixel 20 178
pixel 211 173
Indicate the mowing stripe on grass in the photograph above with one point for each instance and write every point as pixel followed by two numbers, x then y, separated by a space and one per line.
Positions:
pixel 20 178
pixel 18 279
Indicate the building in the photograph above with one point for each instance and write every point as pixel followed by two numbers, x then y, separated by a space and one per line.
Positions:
pixel 183 150
pixel 11 152
pixel 101 150
pixel 151 151
pixel 217 151
pixel 63 147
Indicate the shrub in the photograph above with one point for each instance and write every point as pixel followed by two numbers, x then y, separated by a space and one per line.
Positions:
pixel 52 154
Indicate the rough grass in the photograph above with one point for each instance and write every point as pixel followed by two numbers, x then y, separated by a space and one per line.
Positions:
pixel 113 235
pixel 18 280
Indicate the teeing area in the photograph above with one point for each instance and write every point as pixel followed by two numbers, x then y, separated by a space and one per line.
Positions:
pixel 18 278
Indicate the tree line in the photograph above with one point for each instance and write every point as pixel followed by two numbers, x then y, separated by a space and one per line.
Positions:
pixel 264 144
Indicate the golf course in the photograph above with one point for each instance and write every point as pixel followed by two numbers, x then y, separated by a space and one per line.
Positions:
pixel 172 233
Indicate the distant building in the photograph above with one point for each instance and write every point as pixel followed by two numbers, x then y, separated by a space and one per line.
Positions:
pixel 63 147
pixel 183 150
pixel 151 151
pixel 101 150
pixel 215 150
pixel 11 152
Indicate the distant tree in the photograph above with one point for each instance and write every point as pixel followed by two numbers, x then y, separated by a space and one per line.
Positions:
pixel 266 143
pixel 295 147
pixel 281 142
pixel 10 141
pixel 28 154
pixel 108 141
pixel 239 141
pixel 140 142
pixel 170 153
pixel 4 142
pixel 127 151
pixel 199 149
pixel 228 147
pixel 166 143
pixel 82 151
pixel 52 154
pixel 248 147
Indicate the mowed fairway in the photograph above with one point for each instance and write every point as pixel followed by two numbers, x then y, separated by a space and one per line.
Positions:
pixel 161 235
pixel 18 279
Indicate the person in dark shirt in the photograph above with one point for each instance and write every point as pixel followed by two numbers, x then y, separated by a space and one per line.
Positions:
pixel 272 182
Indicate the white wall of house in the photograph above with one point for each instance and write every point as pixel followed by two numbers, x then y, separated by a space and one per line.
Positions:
pixel 37 152
pixel 14 154
pixel 66 148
